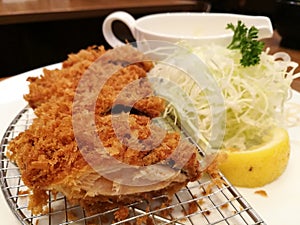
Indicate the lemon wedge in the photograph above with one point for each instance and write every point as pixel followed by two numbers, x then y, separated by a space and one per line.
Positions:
pixel 259 165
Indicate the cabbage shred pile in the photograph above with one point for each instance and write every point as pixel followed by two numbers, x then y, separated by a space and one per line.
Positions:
pixel 254 96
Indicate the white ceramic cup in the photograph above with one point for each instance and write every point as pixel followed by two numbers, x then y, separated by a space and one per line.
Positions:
pixel 195 28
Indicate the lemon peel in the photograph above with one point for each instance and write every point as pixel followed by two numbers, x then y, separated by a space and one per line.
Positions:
pixel 261 164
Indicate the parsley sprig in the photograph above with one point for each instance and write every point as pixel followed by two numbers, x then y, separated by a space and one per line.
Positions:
pixel 246 40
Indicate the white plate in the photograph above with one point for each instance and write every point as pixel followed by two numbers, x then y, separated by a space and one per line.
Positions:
pixel 281 207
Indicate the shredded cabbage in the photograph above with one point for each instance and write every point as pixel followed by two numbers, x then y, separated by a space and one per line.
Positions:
pixel 254 96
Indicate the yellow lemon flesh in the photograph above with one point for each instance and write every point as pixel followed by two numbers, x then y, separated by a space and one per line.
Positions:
pixel 259 165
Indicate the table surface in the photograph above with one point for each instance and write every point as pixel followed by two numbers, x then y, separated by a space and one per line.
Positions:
pixel 21 11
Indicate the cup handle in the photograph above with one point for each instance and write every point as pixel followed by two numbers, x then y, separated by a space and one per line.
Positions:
pixel 108 33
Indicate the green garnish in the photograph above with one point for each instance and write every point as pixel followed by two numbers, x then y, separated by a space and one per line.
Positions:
pixel 246 40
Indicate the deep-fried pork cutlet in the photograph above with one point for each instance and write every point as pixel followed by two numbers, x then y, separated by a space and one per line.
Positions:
pixel 108 160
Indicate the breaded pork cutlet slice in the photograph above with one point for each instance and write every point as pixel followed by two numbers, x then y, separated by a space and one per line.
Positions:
pixel 139 94
pixel 55 83
pixel 97 156
pixel 98 178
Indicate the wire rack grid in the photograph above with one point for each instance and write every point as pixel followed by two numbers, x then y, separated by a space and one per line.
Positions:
pixel 192 205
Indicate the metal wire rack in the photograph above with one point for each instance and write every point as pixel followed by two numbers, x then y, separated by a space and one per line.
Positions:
pixel 193 205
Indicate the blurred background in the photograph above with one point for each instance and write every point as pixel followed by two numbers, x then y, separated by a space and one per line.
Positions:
pixel 36 33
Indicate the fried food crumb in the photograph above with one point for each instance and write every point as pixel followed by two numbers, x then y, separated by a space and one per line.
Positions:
pixel 165 212
pixel 72 216
pixel 144 220
pixel 262 193
pixel 193 207
pixel 213 171
pixel 201 201
pixel 24 192
pixel 224 206
pixel 206 212
pixel 122 213
pixel 183 220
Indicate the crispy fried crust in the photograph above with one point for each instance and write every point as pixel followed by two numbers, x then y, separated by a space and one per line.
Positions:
pixel 58 82
pixel 58 152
